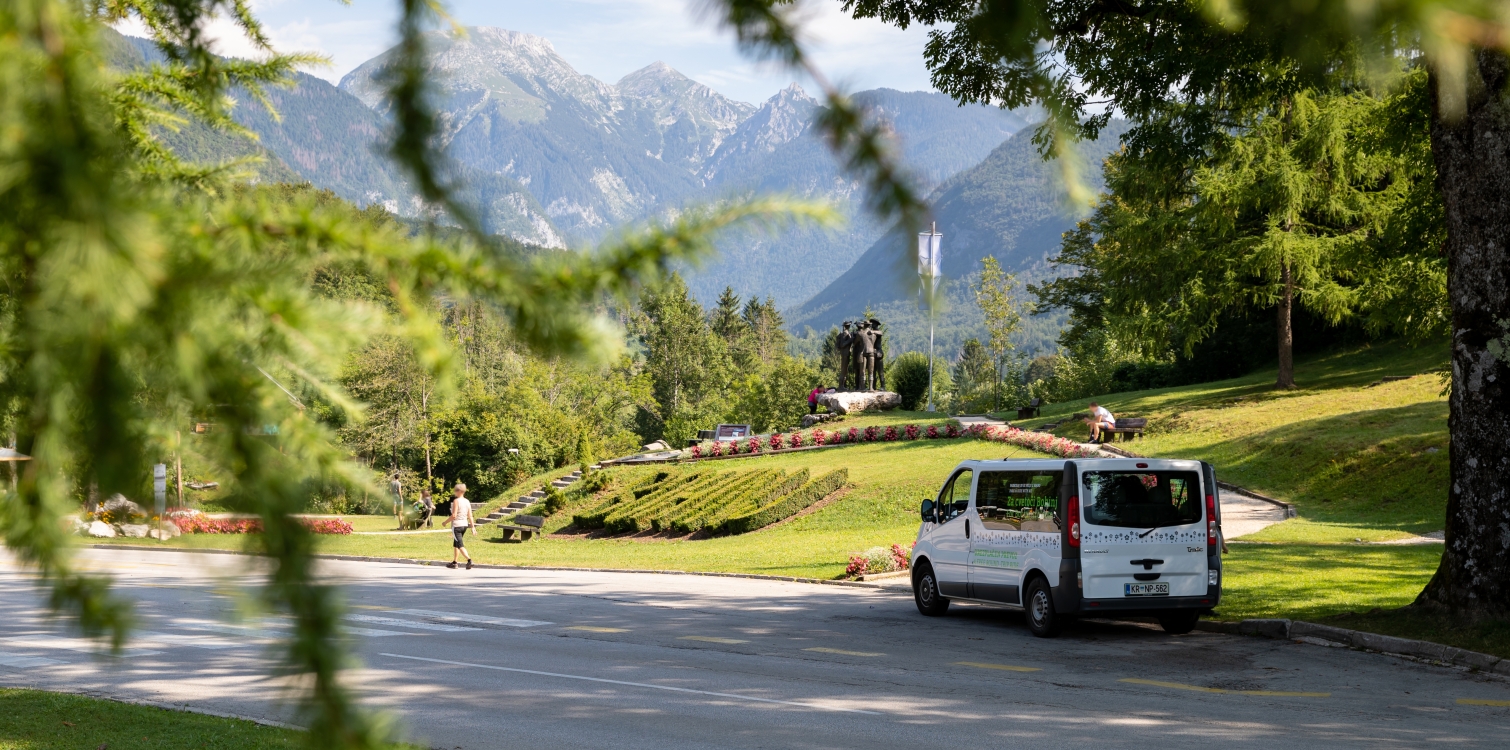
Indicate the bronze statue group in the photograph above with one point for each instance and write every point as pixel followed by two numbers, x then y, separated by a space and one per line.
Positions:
pixel 861 353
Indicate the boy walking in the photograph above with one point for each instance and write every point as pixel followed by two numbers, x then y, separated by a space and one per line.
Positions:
pixel 460 520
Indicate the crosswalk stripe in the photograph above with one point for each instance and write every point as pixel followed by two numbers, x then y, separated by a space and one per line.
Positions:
pixel 460 617
pixel 22 661
pixel 75 644
pixel 409 623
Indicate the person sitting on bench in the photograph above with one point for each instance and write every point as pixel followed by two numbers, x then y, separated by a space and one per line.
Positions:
pixel 1100 419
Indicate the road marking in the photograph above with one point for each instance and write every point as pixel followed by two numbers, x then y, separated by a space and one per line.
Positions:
pixel 188 639
pixel 369 606
pixel 22 661
pixel 409 624
pixel 1481 702
pixel 1003 667
pixel 596 629
pixel 76 644
pixel 710 639
pixel 637 684
pixel 273 622
pixel 475 619
pixel 1199 689
pixel 822 650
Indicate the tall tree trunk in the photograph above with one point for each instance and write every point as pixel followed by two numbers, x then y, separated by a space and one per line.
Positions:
pixel 1286 377
pixel 1472 155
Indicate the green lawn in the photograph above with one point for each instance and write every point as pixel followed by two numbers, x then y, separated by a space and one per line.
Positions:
pixel 36 720
pixel 1361 462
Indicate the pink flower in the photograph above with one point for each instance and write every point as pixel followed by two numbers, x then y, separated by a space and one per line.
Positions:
pixel 776 441
pixel 933 432
pixel 718 448
pixel 891 432
pixel 856 566
pixel 818 437
pixel 854 435
pixel 794 440
pixel 952 430
pixel 697 451
pixel 912 432
pixel 870 434
pixel 754 446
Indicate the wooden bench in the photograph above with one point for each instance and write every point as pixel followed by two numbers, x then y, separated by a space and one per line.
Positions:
pixel 1130 426
pixel 527 526
pixel 1031 410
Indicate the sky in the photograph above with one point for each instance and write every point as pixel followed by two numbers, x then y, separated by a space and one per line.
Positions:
pixel 609 38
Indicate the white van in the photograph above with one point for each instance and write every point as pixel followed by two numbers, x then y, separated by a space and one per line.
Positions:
pixel 1060 539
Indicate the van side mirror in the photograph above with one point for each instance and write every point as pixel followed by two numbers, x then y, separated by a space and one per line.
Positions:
pixel 928 510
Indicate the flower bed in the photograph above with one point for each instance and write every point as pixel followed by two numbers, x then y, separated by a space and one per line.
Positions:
pixel 777 443
pixel 201 524
pixel 880 560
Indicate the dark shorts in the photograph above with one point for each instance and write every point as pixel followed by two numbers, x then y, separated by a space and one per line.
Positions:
pixel 458 532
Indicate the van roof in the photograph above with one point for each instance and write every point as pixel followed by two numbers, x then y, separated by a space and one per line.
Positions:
pixel 1046 464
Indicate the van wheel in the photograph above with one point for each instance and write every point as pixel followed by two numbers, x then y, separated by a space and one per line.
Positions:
pixel 1179 623
pixel 925 589
pixel 1039 606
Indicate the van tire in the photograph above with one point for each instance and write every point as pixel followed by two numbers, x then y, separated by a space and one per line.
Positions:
pixel 1179 623
pixel 1038 609
pixel 925 591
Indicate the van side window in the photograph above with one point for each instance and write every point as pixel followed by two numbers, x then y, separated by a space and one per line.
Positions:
pixel 1019 500
pixel 955 498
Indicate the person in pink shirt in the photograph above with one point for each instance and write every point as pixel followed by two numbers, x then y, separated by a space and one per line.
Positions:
pixel 812 399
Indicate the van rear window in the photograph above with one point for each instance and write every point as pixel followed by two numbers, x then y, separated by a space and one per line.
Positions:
pixel 1141 499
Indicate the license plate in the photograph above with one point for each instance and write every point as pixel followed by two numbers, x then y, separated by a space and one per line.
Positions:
pixel 1145 589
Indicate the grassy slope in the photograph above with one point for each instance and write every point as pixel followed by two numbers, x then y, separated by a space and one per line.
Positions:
pixel 888 481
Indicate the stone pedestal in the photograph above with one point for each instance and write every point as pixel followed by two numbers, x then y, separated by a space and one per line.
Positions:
pixel 858 401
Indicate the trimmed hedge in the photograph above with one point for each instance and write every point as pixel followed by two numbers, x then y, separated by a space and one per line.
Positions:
pixel 788 505
pixel 691 516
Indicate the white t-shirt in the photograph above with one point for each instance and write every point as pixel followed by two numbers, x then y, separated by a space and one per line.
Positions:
pixel 1102 415
pixel 461 512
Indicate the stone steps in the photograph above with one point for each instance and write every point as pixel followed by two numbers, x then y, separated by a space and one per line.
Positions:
pixel 526 501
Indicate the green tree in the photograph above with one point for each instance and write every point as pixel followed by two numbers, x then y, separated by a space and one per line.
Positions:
pixel 766 330
pixel 975 378
pixel 907 375
pixel 688 363
pixel 995 295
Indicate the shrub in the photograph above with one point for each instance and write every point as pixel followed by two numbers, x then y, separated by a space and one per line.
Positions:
pixel 753 446
pixel 818 437
pixel 795 439
pixel 908 376
pixel 776 441
pixel 788 505
pixel 952 430
pixel 891 433
pixel 911 432
pixel 854 435
pixel 933 432
pixel 553 501
pixel 870 434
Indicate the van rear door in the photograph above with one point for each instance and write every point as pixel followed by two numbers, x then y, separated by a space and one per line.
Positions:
pixel 1143 533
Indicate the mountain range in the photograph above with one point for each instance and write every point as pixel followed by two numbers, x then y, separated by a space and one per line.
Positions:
pixel 556 158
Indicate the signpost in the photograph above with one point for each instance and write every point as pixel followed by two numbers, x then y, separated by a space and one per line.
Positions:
pixel 160 494
pixel 929 263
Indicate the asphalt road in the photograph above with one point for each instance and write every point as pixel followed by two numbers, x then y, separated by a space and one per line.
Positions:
pixel 531 659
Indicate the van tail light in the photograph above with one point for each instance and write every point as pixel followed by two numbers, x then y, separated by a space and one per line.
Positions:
pixel 1211 521
pixel 1074 513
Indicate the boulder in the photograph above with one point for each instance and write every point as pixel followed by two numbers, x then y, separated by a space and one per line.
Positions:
pixel 102 530
pixel 169 531
pixel 135 530
pixel 119 507
pixel 857 401
pixel 808 420
pixel 657 446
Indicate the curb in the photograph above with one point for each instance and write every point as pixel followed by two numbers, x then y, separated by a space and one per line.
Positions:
pixel 492 566
pixel 1310 632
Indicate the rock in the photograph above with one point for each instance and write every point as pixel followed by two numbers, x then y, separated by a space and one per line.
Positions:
pixel 102 530
pixel 119 507
pixel 808 420
pixel 80 526
pixel 169 531
pixel 135 530
pixel 659 445
pixel 858 401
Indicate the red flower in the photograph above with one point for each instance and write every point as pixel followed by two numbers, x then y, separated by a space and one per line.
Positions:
pixel 870 434
pixel 856 566
pixel 933 432
pixel 912 432
pixel 754 446
pixel 854 435
pixel 776 441
pixel 891 432
pixel 697 451
pixel 818 437
pixel 952 430
pixel 718 448
pixel 795 440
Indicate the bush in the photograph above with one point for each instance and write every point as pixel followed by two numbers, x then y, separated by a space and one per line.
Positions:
pixel 790 504
pixel 908 376
pixel 553 501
